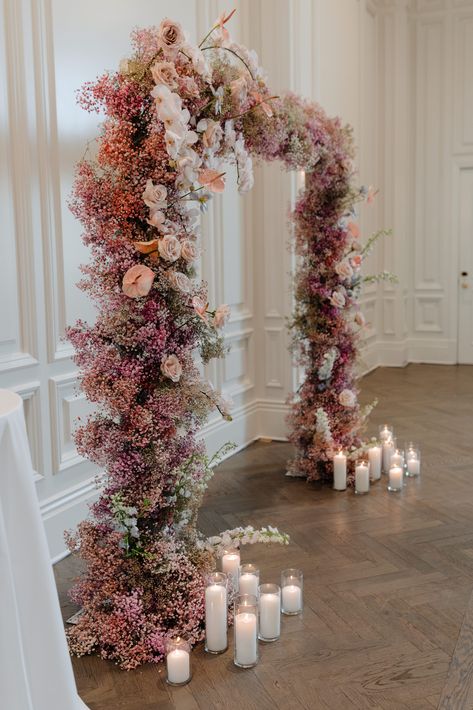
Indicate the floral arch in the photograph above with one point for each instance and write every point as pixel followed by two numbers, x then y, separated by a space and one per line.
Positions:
pixel 175 116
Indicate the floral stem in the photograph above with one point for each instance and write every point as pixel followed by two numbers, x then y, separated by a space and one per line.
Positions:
pixel 208 35
pixel 202 187
pixel 239 115
pixel 227 49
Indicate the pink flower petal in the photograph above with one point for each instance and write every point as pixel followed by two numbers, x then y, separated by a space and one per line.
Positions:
pixel 137 281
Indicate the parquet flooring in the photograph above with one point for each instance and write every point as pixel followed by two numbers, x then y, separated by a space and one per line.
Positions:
pixel 388 617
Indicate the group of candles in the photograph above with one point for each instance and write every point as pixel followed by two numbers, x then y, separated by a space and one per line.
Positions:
pixel 257 614
pixel 382 457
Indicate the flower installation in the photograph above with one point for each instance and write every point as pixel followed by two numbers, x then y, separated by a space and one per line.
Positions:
pixel 174 119
pixel 176 116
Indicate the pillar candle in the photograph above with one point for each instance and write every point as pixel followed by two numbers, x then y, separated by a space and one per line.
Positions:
pixel 385 433
pixel 248 584
pixel 340 471
pixel 231 563
pixel 374 456
pixel 388 450
pixel 362 477
pixel 216 618
pixel 413 466
pixel 395 477
pixel 397 459
pixel 291 598
pixel 178 666
pixel 246 639
pixel 270 616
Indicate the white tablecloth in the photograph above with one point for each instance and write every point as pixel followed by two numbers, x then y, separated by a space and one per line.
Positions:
pixel 35 667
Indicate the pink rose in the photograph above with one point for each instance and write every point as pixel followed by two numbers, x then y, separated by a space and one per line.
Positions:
pixel 156 219
pixel 347 398
pixel 137 281
pixel 179 281
pixel 344 269
pixel 170 35
pixel 189 250
pixel 188 86
pixel 200 307
pixel 171 367
pixel 338 299
pixel 154 196
pixel 169 248
pixel 357 261
pixel 165 73
pixel 222 314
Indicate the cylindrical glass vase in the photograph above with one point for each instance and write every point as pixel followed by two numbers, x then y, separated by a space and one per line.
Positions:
pixel 389 447
pixel 230 563
pixel 248 580
pixel 178 661
pixel 412 461
pixel 292 581
pixel 375 455
pixel 396 474
pixel 216 607
pixel 362 477
pixel 245 622
pixel 269 612
pixel 386 432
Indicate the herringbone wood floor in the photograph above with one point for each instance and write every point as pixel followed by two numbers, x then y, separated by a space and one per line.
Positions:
pixel 388 618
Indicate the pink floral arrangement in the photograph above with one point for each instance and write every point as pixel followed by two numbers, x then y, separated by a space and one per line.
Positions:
pixel 176 115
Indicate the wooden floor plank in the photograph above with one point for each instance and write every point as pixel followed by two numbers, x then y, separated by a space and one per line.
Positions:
pixel 388 617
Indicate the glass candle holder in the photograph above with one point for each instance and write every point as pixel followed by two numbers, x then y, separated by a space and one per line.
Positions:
pixel 386 432
pixel 291 591
pixel 269 612
pixel 362 477
pixel 245 630
pixel 395 479
pixel 397 458
pixel 216 607
pixel 340 471
pixel 375 453
pixel 248 580
pixel 389 447
pixel 412 461
pixel 230 563
pixel 178 661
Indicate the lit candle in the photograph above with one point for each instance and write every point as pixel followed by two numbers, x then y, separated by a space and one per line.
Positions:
pixel 269 612
pixel 340 471
pixel 362 477
pixel 248 584
pixel 385 433
pixel 388 450
pixel 374 457
pixel 291 598
pixel 397 458
pixel 395 478
pixel 248 580
pixel 178 666
pixel 231 565
pixel 246 649
pixel 413 467
pixel 216 615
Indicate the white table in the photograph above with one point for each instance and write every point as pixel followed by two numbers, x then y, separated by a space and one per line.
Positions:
pixel 35 667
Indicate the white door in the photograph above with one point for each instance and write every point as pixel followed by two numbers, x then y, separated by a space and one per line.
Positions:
pixel 465 269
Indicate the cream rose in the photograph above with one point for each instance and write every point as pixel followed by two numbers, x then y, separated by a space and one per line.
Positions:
pixel 222 314
pixel 337 299
pixel 347 398
pixel 179 281
pixel 344 269
pixel 170 35
pixel 154 196
pixel 169 248
pixel 171 367
pixel 189 250
pixel 156 219
pixel 165 73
